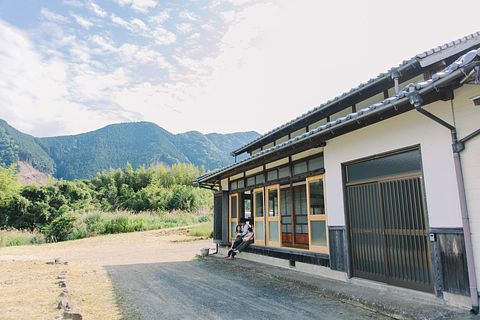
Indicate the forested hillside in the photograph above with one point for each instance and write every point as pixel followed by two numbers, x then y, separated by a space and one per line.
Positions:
pixel 15 145
pixel 114 146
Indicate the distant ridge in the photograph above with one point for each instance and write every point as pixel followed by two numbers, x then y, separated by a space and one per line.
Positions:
pixel 138 143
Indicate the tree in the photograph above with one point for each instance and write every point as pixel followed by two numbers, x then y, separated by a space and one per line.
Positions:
pixel 8 182
pixel 8 149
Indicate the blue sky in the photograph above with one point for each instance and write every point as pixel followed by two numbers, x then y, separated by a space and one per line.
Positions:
pixel 215 66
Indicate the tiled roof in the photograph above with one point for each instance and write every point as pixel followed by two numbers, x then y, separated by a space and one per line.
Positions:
pixel 407 93
pixel 471 40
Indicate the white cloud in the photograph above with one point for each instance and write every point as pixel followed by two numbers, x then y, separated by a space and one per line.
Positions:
pixel 188 15
pixel 120 21
pixel 138 24
pixel 130 53
pixel 105 44
pixel 139 5
pixel 184 27
pixel 269 63
pixel 160 18
pixel 144 55
pixel 164 37
pixel 95 8
pixel 83 22
pixel 73 3
pixel 135 25
pixel 36 93
pixel 208 27
pixel 52 16
pixel 194 36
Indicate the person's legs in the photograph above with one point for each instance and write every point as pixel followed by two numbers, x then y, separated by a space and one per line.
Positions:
pixel 241 247
pixel 244 245
pixel 237 243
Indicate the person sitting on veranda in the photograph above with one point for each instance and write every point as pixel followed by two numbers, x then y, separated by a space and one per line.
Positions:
pixel 238 238
pixel 246 241
pixel 240 231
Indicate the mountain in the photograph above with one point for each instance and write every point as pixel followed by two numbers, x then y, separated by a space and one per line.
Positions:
pixel 138 143
pixel 15 145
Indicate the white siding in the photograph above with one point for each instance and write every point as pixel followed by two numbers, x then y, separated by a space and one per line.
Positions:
pixel 402 131
pixel 467 120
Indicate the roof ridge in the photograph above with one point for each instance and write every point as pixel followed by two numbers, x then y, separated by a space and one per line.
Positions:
pixel 408 91
pixel 363 84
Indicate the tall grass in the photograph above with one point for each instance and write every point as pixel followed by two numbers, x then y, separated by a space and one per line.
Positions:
pixel 203 229
pixel 72 226
pixel 96 223
pixel 13 237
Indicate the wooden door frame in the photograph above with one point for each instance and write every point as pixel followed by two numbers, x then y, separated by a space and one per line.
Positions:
pixel 256 241
pixel 230 219
pixel 317 217
pixel 269 218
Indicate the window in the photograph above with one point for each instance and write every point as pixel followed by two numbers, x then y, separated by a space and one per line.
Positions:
pixel 233 206
pixel 317 202
pixel 240 184
pixel 272 219
pixel 286 201
pixel 273 203
pixel 300 167
pixel 300 195
pixel 272 175
pixel 315 163
pixel 259 213
pixel 317 217
pixel 233 215
pixel 250 181
pixel 260 179
pixel 233 185
pixel 385 166
pixel 247 206
pixel 259 204
pixel 284 172
pixel 286 211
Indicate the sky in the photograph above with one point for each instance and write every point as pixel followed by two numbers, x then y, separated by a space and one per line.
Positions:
pixel 71 66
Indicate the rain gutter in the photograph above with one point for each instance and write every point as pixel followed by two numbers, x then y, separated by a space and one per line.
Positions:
pixel 458 146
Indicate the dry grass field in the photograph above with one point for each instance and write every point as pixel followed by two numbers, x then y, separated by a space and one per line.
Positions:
pixel 29 282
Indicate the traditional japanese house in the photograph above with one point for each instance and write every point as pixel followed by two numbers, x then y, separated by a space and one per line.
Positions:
pixel 377 183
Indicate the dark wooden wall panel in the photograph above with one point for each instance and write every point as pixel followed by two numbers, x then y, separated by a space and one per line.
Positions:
pixel 336 242
pixel 454 262
pixel 224 218
pixel 217 218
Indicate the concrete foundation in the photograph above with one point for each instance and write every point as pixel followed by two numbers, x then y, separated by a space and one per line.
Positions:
pixel 449 299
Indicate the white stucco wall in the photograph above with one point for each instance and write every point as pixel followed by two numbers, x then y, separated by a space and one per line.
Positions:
pixel 402 131
pixel 467 120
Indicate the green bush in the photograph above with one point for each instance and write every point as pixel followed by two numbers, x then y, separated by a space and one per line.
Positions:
pixel 95 223
pixel 117 224
pixel 126 193
pixel 61 228
pixel 182 199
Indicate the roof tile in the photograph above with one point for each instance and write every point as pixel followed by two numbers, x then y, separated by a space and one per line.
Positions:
pixel 360 86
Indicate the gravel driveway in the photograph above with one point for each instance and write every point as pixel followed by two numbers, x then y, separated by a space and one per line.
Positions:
pixel 213 288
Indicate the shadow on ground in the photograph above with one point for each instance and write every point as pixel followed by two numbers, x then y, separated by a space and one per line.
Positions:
pixel 211 288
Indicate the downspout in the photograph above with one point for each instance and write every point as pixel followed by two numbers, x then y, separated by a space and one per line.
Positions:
pixel 458 146
pixel 395 74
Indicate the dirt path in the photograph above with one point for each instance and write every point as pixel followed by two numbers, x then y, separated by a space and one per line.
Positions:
pixel 213 288
pixel 155 275
pixel 128 248
pixel 29 286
